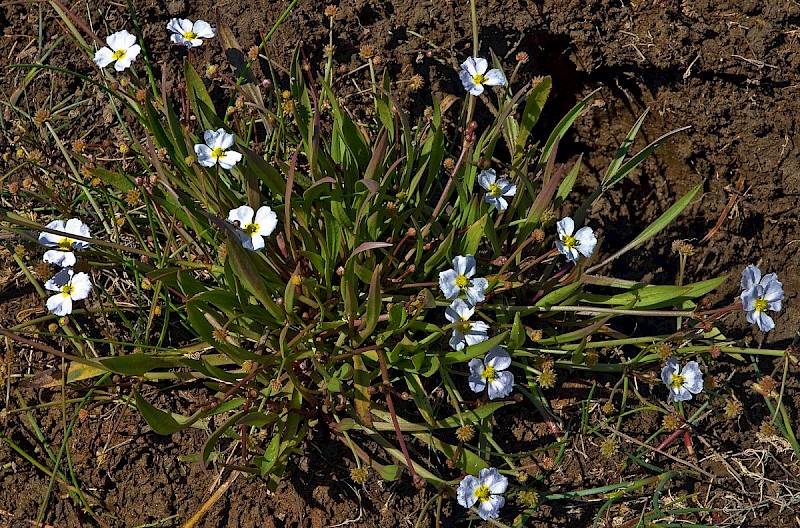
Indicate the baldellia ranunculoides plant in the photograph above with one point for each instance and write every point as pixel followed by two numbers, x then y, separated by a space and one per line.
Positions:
pixel 396 282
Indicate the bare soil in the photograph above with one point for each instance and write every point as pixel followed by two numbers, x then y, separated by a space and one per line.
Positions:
pixel 728 69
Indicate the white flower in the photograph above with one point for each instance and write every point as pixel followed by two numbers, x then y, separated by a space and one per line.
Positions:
pixel 496 189
pixel 570 245
pixel 251 232
pixel 459 280
pixel 682 383
pixel 215 150
pixel 486 490
pixel 761 294
pixel 492 373
pixel 188 33
pixel 474 75
pixel 63 256
pixel 70 287
pixel 122 49
pixel 465 333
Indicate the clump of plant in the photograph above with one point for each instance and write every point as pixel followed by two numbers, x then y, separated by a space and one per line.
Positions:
pixel 396 282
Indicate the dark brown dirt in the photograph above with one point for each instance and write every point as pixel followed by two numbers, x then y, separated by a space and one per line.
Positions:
pixel 728 69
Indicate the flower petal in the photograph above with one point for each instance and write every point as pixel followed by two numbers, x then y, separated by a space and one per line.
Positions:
pixel 491 509
pixel 469 66
pixel 59 280
pixel 480 65
pixel 749 297
pixel 447 283
pixel 203 29
pixel 498 358
pixel 59 305
pixel 204 156
pixel 507 188
pixel 773 292
pixel 464 265
pixel 669 369
pixel 52 239
pixel 750 275
pixel 502 386
pixel 765 322
pixel 680 394
pixel 229 159
pixel 466 491
pixel 242 214
pixel 587 241
pixel 494 77
pixel 254 242
pixel 103 57
pixel 565 227
pixel 468 84
pixel 693 377
pixel 486 178
pixel 121 40
pixel 175 25
pixel 476 381
pixel 63 259
pixel 458 311
pixel 82 286
pixel 267 220
pixel 476 290
pixel 494 480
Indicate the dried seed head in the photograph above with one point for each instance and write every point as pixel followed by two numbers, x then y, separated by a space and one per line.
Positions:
pixel 769 383
pixel 19 251
pixel 665 350
pixel 671 422
pixel 767 430
pixel 83 414
pixel 359 475
pixel 733 408
pixel 449 163
pixel 522 57
pixel 366 51
pixel 223 252
pixel 547 378
pixel 36 156
pixel 416 82
pixel 536 80
pixel 538 235
pixel 252 53
pixel 42 270
pixel 535 334
pixel 683 248
pixel 141 95
pixel 219 334
pixel 78 146
pixel 609 447
pixel 590 357
pixel 52 328
pixel 548 217
pixel 715 351
pixel 528 498
pixel 41 117
pixel 13 187
pixel 132 197
pixel 330 11
pixel 340 271
pixel 465 433
pixel 608 408
pixel 211 70
pixel 328 51
pixel 275 385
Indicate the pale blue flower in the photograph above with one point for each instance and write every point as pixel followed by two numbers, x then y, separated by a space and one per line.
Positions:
pixel 682 382
pixel 188 33
pixel 70 286
pixel 491 372
pixel 253 226
pixel 459 280
pixel 63 242
pixel 571 245
pixel 486 490
pixel 761 294
pixel 466 332
pixel 122 50
pixel 216 150
pixel 474 75
pixel 496 189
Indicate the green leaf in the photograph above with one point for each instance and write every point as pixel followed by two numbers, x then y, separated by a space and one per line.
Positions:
pixel 650 231
pixel 374 304
pixel 137 364
pixel 562 127
pixel 474 235
pixel 438 255
pixel 462 356
pixel 160 421
pixel 530 115
pixel 517 336
pixel 211 443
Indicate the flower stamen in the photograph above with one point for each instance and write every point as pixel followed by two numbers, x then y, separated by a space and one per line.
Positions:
pixel 67 290
pixel 217 153
pixel 489 374
pixel 761 304
pixel 570 242
pixel 677 381
pixel 462 281
pixel 483 493
pixel 479 78
pixel 494 189
pixel 189 35
pixel 119 54
pixel 65 244
pixel 251 228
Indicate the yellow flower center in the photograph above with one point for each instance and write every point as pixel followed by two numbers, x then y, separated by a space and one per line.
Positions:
pixel 189 35
pixel 251 228
pixel 494 189
pixel 761 304
pixel 478 78
pixel 464 326
pixel 217 153
pixel 119 54
pixel 570 241
pixel 489 374
pixel 483 493
pixel 65 244
pixel 677 381
pixel 67 290
pixel 462 281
